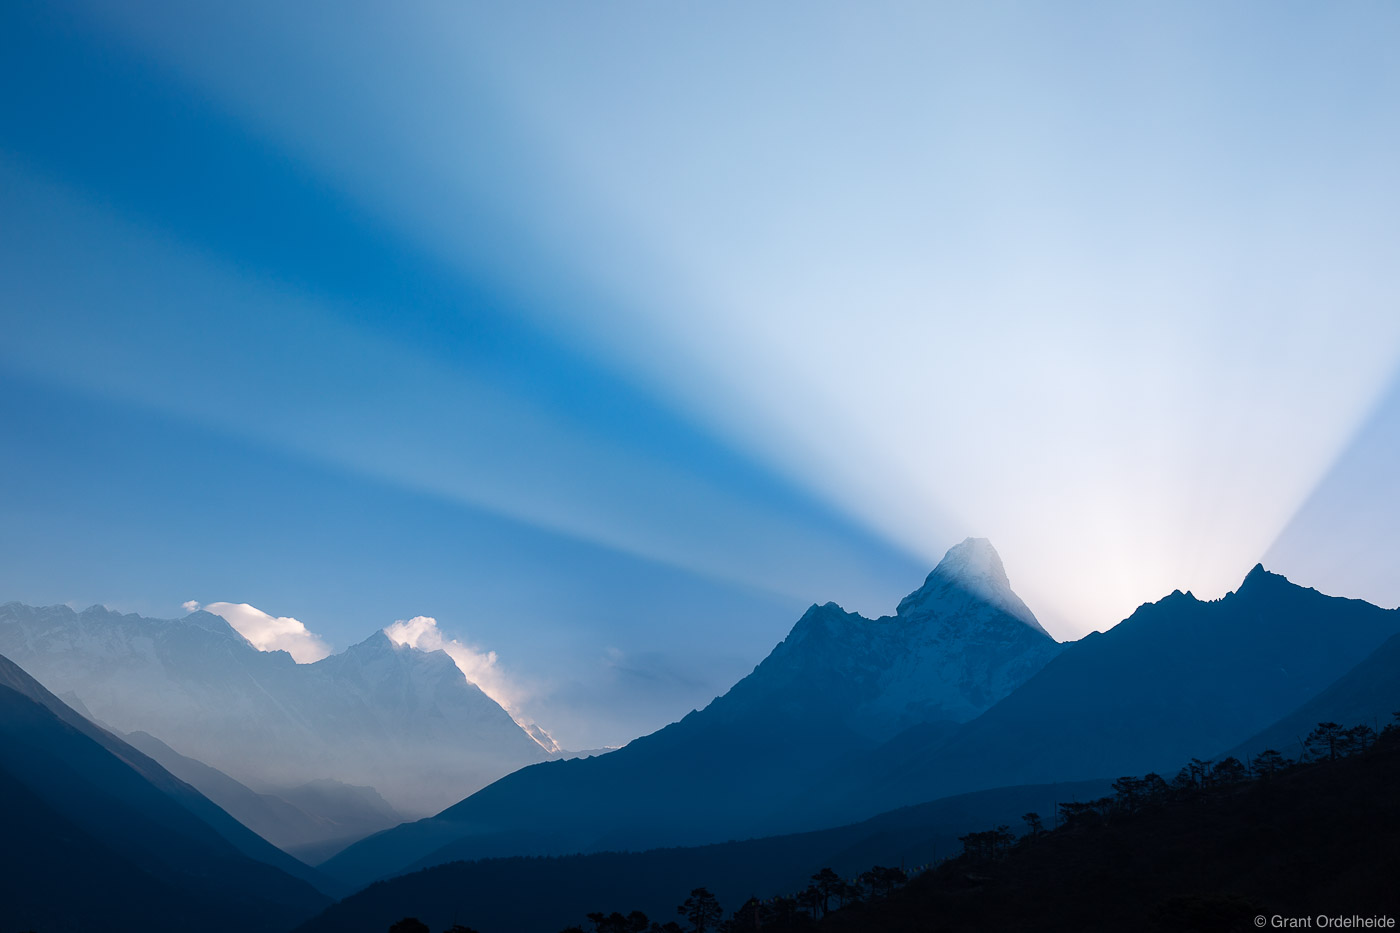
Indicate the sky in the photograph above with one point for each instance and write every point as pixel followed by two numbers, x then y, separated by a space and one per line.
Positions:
pixel 595 342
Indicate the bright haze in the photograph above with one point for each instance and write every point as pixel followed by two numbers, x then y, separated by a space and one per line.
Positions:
pixel 610 337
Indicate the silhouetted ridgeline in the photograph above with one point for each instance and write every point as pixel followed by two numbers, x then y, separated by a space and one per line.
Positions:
pixel 1181 677
pixel 543 895
pixel 836 688
pixel 97 836
pixel 1212 849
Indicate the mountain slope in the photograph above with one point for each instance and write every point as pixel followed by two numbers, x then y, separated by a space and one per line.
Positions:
pixel 1179 678
pixel 1368 694
pixel 108 840
pixel 837 685
pixel 1319 843
pixel 235 833
pixel 503 895
pixel 404 721
pixel 300 821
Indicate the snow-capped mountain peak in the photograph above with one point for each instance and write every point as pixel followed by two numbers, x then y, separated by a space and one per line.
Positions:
pixel 972 571
pixel 401 719
pixel 954 647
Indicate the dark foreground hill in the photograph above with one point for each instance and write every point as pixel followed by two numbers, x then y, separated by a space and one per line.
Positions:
pixel 1321 839
pixel 97 836
pixel 544 895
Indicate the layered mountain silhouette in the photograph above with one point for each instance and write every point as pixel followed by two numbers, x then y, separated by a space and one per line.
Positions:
pixel 959 704
pixel 1180 678
pixel 837 686
pixel 401 720
pixel 1313 839
pixel 504 894
pixel 100 837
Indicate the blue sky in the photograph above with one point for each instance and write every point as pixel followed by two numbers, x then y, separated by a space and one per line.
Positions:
pixel 612 337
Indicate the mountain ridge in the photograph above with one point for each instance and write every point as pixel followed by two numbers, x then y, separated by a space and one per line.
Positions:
pixel 837 685
pixel 391 716
pixel 1179 678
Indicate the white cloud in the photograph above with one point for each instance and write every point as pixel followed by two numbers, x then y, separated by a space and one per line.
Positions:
pixel 480 667
pixel 271 633
pixel 190 605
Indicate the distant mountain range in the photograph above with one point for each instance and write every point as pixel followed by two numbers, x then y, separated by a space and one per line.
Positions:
pixel 403 721
pixel 98 836
pixel 1112 703
pixel 805 741
pixel 837 687
pixel 958 704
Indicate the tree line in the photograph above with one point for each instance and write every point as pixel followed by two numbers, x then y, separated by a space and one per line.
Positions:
pixel 828 892
pixel 702 912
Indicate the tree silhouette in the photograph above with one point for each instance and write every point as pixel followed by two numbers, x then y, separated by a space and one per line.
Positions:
pixel 635 922
pixel 990 844
pixel 1086 813
pixel 410 925
pixel 1154 788
pixel 1326 739
pixel 1129 792
pixel 780 913
pixel 1228 771
pixel 1034 825
pixel 882 881
pixel 1359 738
pixel 702 910
pixel 746 919
pixel 827 884
pixel 458 928
pixel 1268 762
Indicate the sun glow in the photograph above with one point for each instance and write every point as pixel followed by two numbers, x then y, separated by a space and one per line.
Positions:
pixel 963 285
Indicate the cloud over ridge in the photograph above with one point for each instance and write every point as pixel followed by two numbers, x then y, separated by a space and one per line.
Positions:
pixel 480 667
pixel 271 633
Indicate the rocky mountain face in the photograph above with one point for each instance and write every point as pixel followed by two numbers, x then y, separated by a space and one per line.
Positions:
pixel 401 720
pixel 954 647
pixel 836 687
